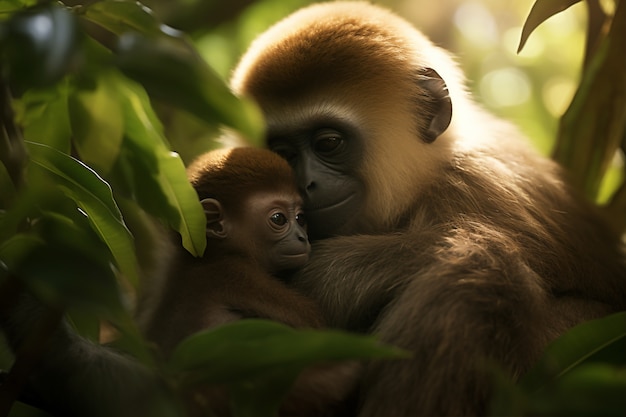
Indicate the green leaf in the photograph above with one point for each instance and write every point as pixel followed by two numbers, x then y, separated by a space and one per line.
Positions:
pixel 23 207
pixel 259 359
pixel 66 224
pixel 249 348
pixel 156 175
pixel 44 117
pixel 597 340
pixel 191 223
pixel 184 80
pixel 13 5
pixel 541 11
pixel 14 250
pixel 594 389
pixel 62 274
pixel 122 16
pixel 40 44
pixel 594 126
pixel 94 197
pixel 98 123
pixel 74 172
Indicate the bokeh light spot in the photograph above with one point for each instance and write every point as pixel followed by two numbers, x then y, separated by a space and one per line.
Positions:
pixel 505 87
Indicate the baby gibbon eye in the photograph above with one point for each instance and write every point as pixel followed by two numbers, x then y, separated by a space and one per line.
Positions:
pixel 278 219
pixel 301 219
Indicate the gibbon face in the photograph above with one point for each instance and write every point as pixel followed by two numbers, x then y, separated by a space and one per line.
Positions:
pixel 351 106
pixel 272 229
pixel 252 206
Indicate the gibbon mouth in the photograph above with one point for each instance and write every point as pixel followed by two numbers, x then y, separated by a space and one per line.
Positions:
pixel 305 250
pixel 294 261
pixel 296 255
pixel 309 208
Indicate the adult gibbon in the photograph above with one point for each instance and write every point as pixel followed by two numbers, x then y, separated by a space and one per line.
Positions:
pixel 434 224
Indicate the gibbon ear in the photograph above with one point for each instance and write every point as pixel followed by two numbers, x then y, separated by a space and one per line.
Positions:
pixel 213 212
pixel 441 104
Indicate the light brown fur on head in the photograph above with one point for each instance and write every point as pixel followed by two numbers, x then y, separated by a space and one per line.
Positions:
pixel 361 63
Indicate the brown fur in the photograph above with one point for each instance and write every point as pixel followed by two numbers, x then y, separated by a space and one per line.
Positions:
pixel 471 250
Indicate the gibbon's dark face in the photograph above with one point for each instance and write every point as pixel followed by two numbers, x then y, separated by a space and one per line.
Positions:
pixel 325 156
pixel 275 225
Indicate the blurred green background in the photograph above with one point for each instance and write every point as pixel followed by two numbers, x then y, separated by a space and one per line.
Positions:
pixel 531 89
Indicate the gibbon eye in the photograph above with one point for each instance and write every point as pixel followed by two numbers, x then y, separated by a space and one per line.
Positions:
pixel 301 219
pixel 328 142
pixel 279 219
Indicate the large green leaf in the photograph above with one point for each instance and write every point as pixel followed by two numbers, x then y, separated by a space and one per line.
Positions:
pixel 94 197
pixel 183 78
pixel 44 117
pixel 74 172
pixel 122 16
pixel 39 45
pixel 583 373
pixel 598 340
pixel 98 122
pixel 259 359
pixel 164 193
pixel 541 11
pixel 249 348
pixel 191 223
pixel 592 389
pixel 63 274
pixel 157 174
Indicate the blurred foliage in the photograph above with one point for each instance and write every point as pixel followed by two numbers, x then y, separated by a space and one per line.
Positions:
pixel 583 373
pixel 532 88
pixel 94 100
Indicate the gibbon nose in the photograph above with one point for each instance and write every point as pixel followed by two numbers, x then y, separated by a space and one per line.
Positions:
pixel 309 188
